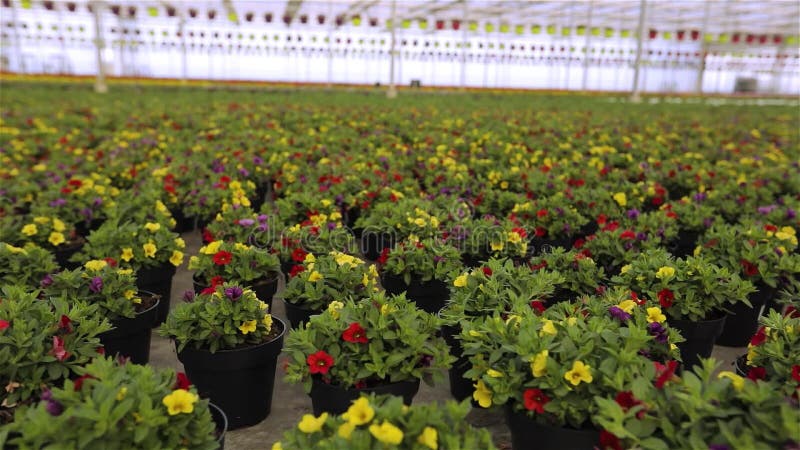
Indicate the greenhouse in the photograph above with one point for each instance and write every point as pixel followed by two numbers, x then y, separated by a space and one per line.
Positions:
pixel 400 224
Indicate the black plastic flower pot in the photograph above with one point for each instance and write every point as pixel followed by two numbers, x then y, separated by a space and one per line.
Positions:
pixel 700 338
pixel 429 296
pixel 372 244
pixel 336 399
pixel 157 280
pixel 740 366
pixel 286 269
pixel 684 243
pixel 130 337
pixel 183 224
pixel 526 434
pixel 297 315
pixel 240 381
pixel 84 228
pixel 65 251
pixel 742 320
pixel 265 287
pixel 221 423
pixel 460 387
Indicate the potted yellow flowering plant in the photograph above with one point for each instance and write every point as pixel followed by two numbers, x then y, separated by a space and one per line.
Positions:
pixel 229 344
pixel 50 233
pixel 378 421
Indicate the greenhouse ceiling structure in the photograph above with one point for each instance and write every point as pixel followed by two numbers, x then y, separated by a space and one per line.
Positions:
pixel 687 46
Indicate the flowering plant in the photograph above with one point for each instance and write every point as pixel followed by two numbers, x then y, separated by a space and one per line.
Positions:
pixel 774 351
pixel 373 421
pixel 233 262
pixel 760 253
pixel 691 289
pixel 302 206
pixel 319 280
pixel 133 245
pixel 701 409
pixel 25 266
pixel 496 286
pixel 552 363
pixel 44 231
pixel 112 289
pixel 242 224
pixel 211 192
pixel 77 199
pixel 43 342
pixel 401 218
pixel 585 276
pixel 117 405
pixel 489 236
pixel 425 259
pixel 315 239
pixel 613 247
pixel 548 218
pixel 140 206
pixel 230 317
pixel 380 339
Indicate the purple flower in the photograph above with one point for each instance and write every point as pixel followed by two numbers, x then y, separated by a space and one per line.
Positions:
pixel 633 213
pixel 244 172
pixel 658 331
pixel 438 258
pixel 188 295
pixel 790 213
pixel 96 285
pixel 700 196
pixel 246 222
pixel 257 160
pixel 708 221
pixel 87 213
pixel 641 236
pixel 331 225
pixel 58 202
pixel 54 408
pixel 46 281
pixel 262 218
pixel 766 209
pixel 233 292
pixel 718 447
pixel 619 313
pixel 97 201
pixel 426 360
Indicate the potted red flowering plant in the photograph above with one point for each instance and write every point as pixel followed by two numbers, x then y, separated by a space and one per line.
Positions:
pixel 489 237
pixel 586 277
pixel 774 351
pixel 319 239
pixel 381 344
pixel 552 222
pixel 421 269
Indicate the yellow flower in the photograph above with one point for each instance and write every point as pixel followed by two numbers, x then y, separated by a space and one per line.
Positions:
pixel 346 429
pixel 180 243
pixel 373 271
pixel 315 276
pixel 579 372
pixel 494 373
pixel 625 268
pixel 179 401
pixel 211 248
pixel 56 238
pixel 267 321
pixel 149 250
pixel 548 328
pixel 334 308
pixel 627 306
pixel 177 258
pixel 365 280
pixel 247 326
pixel 514 237
pixel 387 309
pixel 160 207
pixel 386 433
pixel 497 246
pixel 29 229
pixel 665 272
pixel 123 391
pixel 460 280
pixel 654 314
pixel 482 394
pixel 343 258
pixel 41 220
pixel 360 412
pixel 95 264
pixel 16 250
pixel 751 353
pixel 736 381
pixel 419 222
pixel 58 225
pixel 277 446
pixel 621 198
pixel 127 254
pixel 539 363
pixel 429 438
pixel 152 227
pixel 310 424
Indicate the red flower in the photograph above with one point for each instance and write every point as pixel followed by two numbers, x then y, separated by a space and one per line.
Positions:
pixel 665 298
pixel 76 183
pixel 299 255
pixel 539 266
pixel 665 373
pixel 771 228
pixel 101 350
pixel 319 362
pixel 541 213
pixel 355 334
pixel 217 281
pixel 609 440
pixel 520 231
pixel 384 256
pixel 627 401
pixel 110 261
pixel 535 400
pixel 796 372
pixel 4 324
pixel 635 298
pixel 757 373
pixel 78 384
pixel 207 236
pixel 58 349
pixel 749 268
pixel 540 232
pixel 759 337
pixel 538 306
pixel 601 219
pixel 627 234
pixel 65 324
pixel 486 271
pixel 182 382
pixel 222 258
pixel 792 312
pixel 672 215
pixel 611 226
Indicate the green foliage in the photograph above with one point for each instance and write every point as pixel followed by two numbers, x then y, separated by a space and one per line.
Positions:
pixel 231 317
pixel 776 349
pixel 115 406
pixel 134 245
pixel 452 432
pixel 329 276
pixel 29 358
pixel 427 260
pixel 585 276
pixel 25 266
pixel 247 263
pixel 402 343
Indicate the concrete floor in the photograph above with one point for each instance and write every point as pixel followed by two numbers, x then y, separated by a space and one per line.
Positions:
pixel 290 402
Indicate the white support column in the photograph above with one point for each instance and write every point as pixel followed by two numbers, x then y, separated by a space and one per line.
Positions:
pixel 701 67
pixel 638 62
pixel 331 24
pixel 392 92
pixel 463 24
pixel 586 43
pixel 184 57
pixel 100 81
pixel 17 41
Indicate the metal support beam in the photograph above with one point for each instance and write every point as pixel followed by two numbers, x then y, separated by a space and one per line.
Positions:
pixel 586 43
pixel 17 41
pixel 638 62
pixel 331 22
pixel 100 81
pixel 184 58
pixel 463 24
pixel 701 67
pixel 392 92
